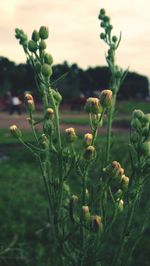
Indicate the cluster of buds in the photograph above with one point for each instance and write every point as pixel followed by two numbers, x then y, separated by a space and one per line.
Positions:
pixel 105 23
pixel 22 37
pixel 105 98
pixel 15 131
pixel 29 103
pixel 44 61
pixel 107 36
pixel 140 136
pixel 93 106
pixel 70 134
pixel 116 176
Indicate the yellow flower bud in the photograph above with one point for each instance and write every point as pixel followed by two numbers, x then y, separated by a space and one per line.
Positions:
pixel 28 96
pixel 30 106
pixel 49 113
pixel 124 182
pixel 70 134
pixel 96 224
pixel 120 205
pixel 15 131
pixel 89 153
pixel 92 105
pixel 85 213
pixel 105 98
pixel 88 139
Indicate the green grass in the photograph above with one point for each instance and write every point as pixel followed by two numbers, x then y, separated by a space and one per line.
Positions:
pixel 23 203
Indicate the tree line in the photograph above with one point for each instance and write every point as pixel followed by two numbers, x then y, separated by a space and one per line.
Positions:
pixel 71 80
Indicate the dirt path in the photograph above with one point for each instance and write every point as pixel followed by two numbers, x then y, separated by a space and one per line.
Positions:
pixel 21 121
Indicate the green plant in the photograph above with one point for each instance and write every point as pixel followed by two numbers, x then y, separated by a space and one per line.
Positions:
pixel 92 224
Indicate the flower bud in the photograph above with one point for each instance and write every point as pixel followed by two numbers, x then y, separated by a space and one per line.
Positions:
pixel 137 114
pixel 114 38
pixel 146 119
pixel 35 36
pixel 89 153
pixel 120 205
pixel 136 124
pixel 74 200
pixel 15 131
pixel 72 205
pixel 70 134
pixel 106 19
pixel 42 45
pixel 102 35
pixel 88 139
pixel 57 96
pixel 85 213
pixel 44 32
pixel 48 59
pixel 32 46
pixel 145 132
pixel 44 141
pixel 124 182
pixel 105 98
pixel 46 70
pixel 49 113
pixel 29 103
pixel 96 224
pixel 102 11
pixel 28 96
pixel 145 148
pixel 92 105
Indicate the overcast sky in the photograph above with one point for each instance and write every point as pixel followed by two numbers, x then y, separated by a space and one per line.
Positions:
pixel 74 30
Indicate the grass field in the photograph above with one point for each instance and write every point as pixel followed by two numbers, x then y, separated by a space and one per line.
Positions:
pixel 23 204
pixel 23 224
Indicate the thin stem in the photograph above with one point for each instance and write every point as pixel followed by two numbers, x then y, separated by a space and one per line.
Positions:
pixel 109 127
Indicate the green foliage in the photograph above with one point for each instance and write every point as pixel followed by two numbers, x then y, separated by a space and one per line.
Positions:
pixel 92 201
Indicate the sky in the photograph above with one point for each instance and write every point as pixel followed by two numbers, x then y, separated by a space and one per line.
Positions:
pixel 74 30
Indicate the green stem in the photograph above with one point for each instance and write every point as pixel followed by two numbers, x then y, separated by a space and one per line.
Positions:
pixel 109 127
pixel 95 131
pixel 124 237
